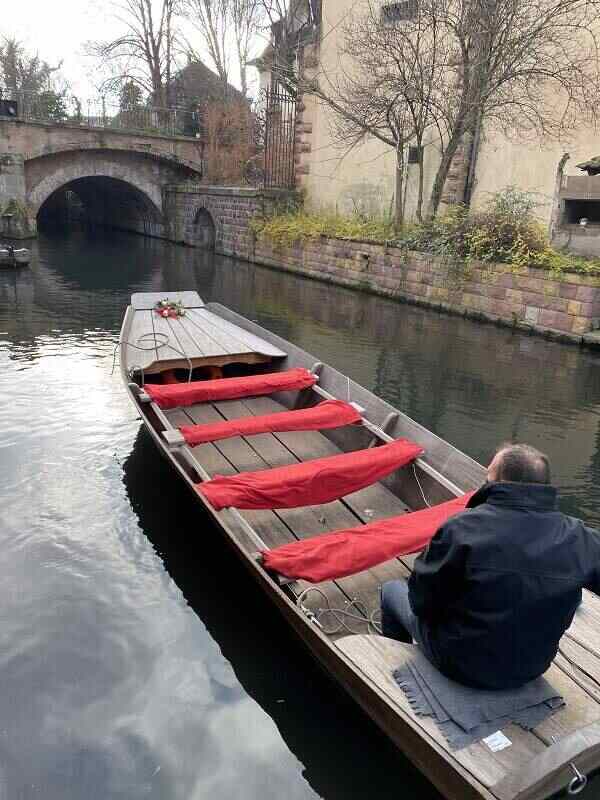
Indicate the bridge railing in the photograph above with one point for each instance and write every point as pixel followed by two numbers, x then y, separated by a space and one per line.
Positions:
pixel 100 112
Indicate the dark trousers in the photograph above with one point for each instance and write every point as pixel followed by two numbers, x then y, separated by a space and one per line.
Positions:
pixel 398 620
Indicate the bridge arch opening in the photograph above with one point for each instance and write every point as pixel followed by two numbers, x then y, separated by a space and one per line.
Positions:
pixel 204 232
pixel 104 201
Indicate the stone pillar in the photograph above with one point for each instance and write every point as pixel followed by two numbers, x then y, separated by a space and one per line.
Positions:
pixel 306 110
pixel 15 218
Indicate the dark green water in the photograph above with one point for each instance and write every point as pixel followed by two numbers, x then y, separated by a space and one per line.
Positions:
pixel 137 659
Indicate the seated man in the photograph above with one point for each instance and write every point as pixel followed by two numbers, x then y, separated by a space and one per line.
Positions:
pixel 498 585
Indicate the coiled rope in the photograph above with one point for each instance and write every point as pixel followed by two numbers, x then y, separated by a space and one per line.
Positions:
pixel 359 613
pixel 152 340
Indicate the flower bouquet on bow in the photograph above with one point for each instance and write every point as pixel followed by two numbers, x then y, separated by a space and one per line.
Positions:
pixel 170 308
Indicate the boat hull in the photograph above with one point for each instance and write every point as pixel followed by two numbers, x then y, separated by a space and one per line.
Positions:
pixel 448 472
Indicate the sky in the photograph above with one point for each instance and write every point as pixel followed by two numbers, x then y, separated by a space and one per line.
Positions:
pixel 58 30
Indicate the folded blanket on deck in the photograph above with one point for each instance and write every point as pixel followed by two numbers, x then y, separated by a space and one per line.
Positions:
pixel 465 715
pixel 311 482
pixel 348 551
pixel 328 414
pixel 186 394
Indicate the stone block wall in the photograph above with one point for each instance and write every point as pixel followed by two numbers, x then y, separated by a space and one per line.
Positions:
pixel 15 222
pixel 567 307
pixel 230 209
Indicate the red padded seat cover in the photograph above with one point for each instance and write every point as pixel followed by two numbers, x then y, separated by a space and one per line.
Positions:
pixel 328 414
pixel 186 394
pixel 348 551
pixel 311 482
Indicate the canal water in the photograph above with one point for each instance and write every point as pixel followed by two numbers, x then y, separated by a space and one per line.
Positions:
pixel 138 660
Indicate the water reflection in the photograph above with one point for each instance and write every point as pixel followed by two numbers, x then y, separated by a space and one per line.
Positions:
pixel 138 658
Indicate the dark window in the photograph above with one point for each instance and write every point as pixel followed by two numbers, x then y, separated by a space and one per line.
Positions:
pixel 574 210
pixel 414 155
pixel 398 12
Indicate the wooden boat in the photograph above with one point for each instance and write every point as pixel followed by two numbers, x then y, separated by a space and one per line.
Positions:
pixel 11 257
pixel 208 337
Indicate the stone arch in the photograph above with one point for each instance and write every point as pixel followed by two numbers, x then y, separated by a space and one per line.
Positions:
pixel 58 173
pixel 204 214
pixel 145 150
pixel 204 230
pixel 105 201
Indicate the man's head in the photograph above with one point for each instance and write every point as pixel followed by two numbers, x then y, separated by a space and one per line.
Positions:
pixel 519 463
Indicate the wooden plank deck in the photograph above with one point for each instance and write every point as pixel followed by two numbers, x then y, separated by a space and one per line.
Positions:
pixel 199 337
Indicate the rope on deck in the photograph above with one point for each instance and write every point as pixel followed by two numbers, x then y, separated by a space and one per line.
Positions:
pixel 339 614
pixel 158 340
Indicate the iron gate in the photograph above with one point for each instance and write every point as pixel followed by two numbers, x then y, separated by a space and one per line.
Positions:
pixel 280 129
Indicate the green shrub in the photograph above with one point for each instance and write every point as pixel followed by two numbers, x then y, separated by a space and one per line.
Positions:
pixel 284 230
pixel 505 230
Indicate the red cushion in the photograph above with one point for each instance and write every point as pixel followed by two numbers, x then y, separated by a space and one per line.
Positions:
pixel 328 414
pixel 186 394
pixel 346 552
pixel 311 482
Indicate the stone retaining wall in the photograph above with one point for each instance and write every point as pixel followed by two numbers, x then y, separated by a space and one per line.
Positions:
pixel 230 208
pixel 566 308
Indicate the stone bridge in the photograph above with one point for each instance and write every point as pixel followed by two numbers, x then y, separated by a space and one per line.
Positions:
pixel 119 177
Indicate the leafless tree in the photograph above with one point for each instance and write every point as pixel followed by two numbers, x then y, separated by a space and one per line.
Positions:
pixel 290 24
pixel 248 18
pixel 210 19
pixel 527 67
pixel 223 27
pixel 387 87
pixel 145 52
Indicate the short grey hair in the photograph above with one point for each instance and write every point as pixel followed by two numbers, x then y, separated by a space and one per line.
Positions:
pixel 521 463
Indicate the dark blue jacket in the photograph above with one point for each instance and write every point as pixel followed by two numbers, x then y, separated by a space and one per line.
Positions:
pixel 499 584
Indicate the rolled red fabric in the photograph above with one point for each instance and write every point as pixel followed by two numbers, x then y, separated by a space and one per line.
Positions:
pixel 186 394
pixel 328 414
pixel 311 482
pixel 346 552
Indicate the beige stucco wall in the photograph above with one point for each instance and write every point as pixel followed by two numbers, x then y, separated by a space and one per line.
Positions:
pixel 364 177
pixel 530 166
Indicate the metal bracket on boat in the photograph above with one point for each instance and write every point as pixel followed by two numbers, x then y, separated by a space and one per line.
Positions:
pixel 141 395
pixel 173 438
pixel 311 616
pixel 577 783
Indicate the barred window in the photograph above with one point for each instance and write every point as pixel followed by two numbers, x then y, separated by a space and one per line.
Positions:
pixel 391 13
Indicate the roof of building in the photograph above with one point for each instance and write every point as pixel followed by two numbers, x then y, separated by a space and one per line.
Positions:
pixel 197 83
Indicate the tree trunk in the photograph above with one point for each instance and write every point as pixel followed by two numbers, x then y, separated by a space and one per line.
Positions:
pixel 443 169
pixel 419 211
pixel 399 204
pixel 555 214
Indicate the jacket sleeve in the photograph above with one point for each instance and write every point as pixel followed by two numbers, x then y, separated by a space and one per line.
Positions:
pixel 438 575
pixel 592 559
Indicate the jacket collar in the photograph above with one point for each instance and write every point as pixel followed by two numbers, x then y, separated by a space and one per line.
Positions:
pixel 533 496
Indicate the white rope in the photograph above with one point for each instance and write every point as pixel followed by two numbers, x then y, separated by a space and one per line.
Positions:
pixel 158 339
pixel 427 503
pixel 339 614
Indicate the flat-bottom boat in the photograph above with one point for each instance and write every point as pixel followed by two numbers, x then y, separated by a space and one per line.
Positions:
pixel 177 337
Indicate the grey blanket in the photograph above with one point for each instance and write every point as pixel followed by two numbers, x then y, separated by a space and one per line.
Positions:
pixel 466 715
